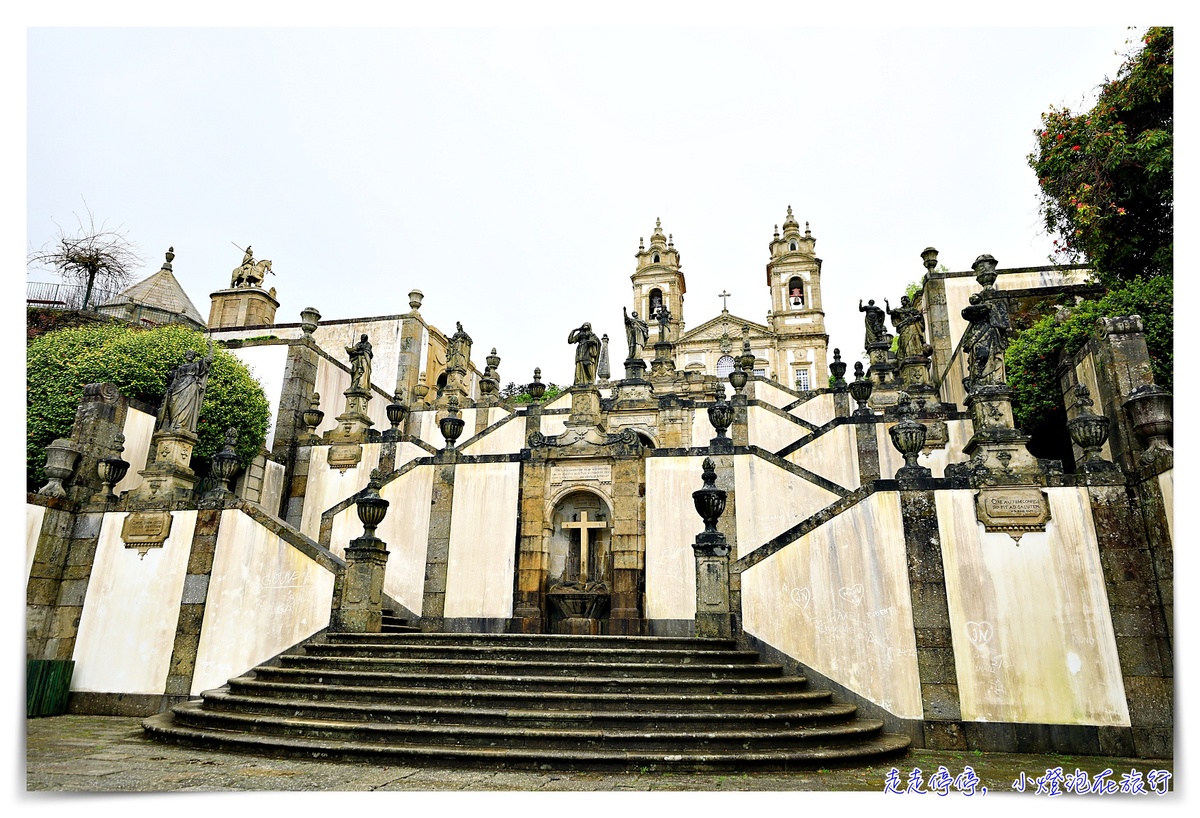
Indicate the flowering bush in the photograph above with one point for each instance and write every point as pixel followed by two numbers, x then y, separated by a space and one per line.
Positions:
pixel 1107 175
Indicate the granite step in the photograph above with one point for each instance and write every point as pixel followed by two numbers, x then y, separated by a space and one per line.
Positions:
pixel 529 701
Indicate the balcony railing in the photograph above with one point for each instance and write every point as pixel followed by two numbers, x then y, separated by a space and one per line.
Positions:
pixel 64 296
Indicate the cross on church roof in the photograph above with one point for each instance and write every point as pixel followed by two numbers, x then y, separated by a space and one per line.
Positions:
pixel 724 295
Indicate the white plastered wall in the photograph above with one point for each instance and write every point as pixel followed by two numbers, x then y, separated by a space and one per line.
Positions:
pixel 332 383
pixel 833 455
pixel 131 610
pixel 263 597
pixel 773 395
pixel 483 536
pixel 838 600
pixel 554 424
pixel 267 364
pixel 1033 637
pixel 405 530
pixel 138 429
pixel 34 515
pixel 507 439
pixel 769 431
pixel 817 411
pixel 770 500
pixel 327 487
pixel 671 528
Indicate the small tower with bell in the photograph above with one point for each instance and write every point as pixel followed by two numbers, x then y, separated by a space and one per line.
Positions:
pixel 658 281
pixel 794 278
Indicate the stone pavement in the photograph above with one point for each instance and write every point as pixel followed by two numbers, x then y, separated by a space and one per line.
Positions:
pixel 111 754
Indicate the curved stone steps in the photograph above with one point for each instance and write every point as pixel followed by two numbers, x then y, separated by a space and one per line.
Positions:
pixel 553 702
pixel 882 746
pixel 590 739
pixel 224 700
pixel 616 699
pixel 476 666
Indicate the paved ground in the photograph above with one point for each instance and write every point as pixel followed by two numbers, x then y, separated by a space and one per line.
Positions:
pixel 111 754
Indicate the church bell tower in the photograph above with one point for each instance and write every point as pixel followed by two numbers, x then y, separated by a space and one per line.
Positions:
pixel 658 282
pixel 794 277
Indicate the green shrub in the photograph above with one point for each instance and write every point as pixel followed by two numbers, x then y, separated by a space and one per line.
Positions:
pixel 1033 356
pixel 59 364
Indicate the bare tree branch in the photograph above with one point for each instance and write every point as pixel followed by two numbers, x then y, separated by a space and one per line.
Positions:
pixel 94 256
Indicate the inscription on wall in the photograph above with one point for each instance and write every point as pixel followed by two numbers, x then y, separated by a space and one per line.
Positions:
pixel 1012 510
pixel 144 530
pixel 600 473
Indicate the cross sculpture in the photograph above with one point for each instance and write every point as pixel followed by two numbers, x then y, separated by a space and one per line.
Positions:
pixel 724 296
pixel 583 524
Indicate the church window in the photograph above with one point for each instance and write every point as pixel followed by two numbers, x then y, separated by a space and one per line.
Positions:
pixel 724 366
pixel 793 246
pixel 796 293
pixel 802 379
pixel 656 258
pixel 760 372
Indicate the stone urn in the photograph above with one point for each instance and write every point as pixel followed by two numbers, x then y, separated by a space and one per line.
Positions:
pixel 737 379
pixel 838 370
pixel 370 506
pixel 709 500
pixel 1149 409
pixel 61 456
pixel 537 388
pixel 312 416
pixel 908 436
pixel 415 297
pixel 397 413
pixel 860 389
pixel 309 317
pixel 1088 430
pixel 451 425
pixel 111 470
pixel 224 464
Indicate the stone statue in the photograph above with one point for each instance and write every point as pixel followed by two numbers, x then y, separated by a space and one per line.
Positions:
pixel 984 343
pixel 248 257
pixel 910 328
pixel 360 364
pixel 185 392
pixel 458 349
pixel 587 354
pixel 637 332
pixel 876 331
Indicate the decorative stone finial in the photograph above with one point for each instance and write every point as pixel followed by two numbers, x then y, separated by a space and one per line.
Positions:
pixel 985 270
pixel 929 257
pixel 838 370
pixel 709 502
pixel 309 318
pixel 415 297
pixel 170 257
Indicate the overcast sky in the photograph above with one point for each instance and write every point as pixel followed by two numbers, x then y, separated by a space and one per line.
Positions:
pixel 508 173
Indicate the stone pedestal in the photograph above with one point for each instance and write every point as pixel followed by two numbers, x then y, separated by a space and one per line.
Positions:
pixel 169 476
pixel 663 365
pixel 585 406
pixel 635 369
pixel 242 307
pixel 360 609
pixel 455 386
pixel 713 619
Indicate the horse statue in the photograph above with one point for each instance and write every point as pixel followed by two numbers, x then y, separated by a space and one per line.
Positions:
pixel 251 275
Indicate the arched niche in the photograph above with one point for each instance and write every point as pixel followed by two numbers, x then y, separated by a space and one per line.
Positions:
pixel 578 507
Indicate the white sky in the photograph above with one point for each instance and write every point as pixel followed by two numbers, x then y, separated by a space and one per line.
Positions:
pixel 508 172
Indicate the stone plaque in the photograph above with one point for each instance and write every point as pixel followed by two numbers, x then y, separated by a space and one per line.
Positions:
pixel 344 455
pixel 616 421
pixel 600 472
pixel 146 529
pixel 1013 510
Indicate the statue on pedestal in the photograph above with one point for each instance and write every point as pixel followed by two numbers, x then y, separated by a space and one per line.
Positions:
pixel 185 392
pixel 587 354
pixel 984 343
pixel 458 349
pixel 910 328
pixel 876 331
pixel 360 364
pixel 637 332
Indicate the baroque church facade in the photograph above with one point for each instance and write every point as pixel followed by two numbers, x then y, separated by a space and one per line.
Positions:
pixel 885 532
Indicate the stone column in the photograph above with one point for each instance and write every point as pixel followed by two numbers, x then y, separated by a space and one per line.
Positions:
pixel 1138 609
pixel 193 603
pixel 437 555
pixel 412 336
pixel 625 603
pixel 359 605
pixel 532 567
pixel 46 575
pixel 940 702
pixel 713 620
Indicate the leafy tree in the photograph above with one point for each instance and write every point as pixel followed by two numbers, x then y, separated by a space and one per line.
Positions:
pixel 518 394
pixel 91 256
pixel 1107 175
pixel 59 364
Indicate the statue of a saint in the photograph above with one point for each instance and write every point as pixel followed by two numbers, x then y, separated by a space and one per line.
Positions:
pixel 458 349
pixel 587 354
pixel 360 364
pixel 185 392
pixel 910 328
pixel 637 332
pixel 876 331
pixel 984 343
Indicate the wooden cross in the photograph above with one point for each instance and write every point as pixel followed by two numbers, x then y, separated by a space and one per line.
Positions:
pixel 584 525
pixel 724 296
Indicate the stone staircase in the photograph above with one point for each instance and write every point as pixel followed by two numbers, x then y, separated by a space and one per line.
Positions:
pixel 529 701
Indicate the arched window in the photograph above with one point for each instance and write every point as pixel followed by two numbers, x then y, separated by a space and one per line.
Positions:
pixel 724 366
pixel 656 258
pixel 656 302
pixel 796 292
pixel 793 246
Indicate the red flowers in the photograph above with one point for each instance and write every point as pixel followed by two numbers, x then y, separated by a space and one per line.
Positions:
pixel 1076 148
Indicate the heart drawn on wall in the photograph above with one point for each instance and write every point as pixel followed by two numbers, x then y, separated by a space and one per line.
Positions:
pixel 979 633
pixel 853 594
pixel 801 597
